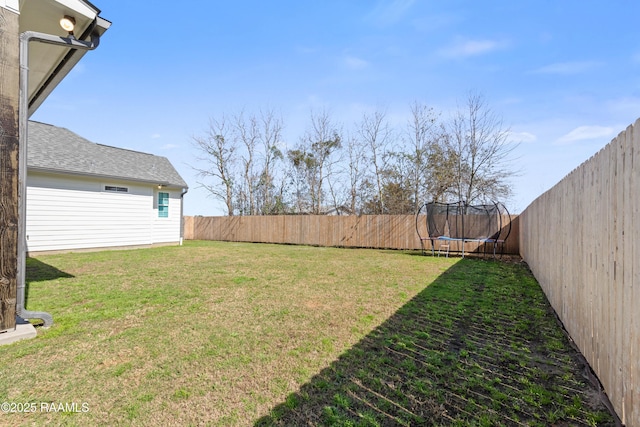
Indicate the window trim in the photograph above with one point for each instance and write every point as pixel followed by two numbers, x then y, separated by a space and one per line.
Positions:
pixel 163 208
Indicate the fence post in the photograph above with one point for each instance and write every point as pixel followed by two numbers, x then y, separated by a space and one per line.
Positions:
pixel 9 177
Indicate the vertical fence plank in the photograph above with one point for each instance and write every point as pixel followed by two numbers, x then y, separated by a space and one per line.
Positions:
pixel 365 231
pixel 632 388
pixel 187 228
pixel 580 239
pixel 613 273
pixel 619 267
pixel 627 262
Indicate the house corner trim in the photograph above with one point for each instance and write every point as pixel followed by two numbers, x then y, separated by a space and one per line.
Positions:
pixel 12 5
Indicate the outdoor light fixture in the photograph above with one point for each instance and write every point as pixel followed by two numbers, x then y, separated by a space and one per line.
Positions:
pixel 68 23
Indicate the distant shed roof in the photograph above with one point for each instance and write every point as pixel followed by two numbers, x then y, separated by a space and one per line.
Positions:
pixel 56 149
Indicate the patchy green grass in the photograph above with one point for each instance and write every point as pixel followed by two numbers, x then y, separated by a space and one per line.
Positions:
pixel 241 334
pixel 478 346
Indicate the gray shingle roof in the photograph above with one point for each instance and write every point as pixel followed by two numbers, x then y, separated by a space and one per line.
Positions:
pixel 60 150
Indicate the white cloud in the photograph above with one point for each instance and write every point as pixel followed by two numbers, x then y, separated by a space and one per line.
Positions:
pixel 354 63
pixel 517 137
pixel 582 133
pixel 567 68
pixel 169 146
pixel 463 48
pixel 156 136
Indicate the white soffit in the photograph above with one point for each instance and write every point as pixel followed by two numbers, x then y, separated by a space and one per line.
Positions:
pixel 79 7
pixel 12 5
pixel 45 60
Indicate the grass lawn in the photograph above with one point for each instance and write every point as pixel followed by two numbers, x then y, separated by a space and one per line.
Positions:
pixel 227 334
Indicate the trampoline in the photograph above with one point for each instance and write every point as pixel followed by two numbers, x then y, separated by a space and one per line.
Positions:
pixel 454 224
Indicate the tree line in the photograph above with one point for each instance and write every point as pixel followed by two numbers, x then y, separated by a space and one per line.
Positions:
pixel 373 168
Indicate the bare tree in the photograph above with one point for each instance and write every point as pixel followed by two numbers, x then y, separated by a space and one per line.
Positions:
pixel 356 169
pixel 217 150
pixel 478 144
pixel 422 144
pixel 335 185
pixel 381 170
pixel 443 163
pixel 270 200
pixel 375 133
pixel 312 159
pixel 301 166
pixel 398 194
pixel 325 141
pixel 247 132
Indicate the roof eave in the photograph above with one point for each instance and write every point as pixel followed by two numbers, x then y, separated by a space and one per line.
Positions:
pixel 65 66
pixel 109 177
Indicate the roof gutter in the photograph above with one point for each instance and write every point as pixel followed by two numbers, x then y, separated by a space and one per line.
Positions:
pixel 61 66
pixel 184 191
pixel 25 38
pixel 153 182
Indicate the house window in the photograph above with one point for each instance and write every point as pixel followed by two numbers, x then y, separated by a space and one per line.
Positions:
pixel 116 189
pixel 163 205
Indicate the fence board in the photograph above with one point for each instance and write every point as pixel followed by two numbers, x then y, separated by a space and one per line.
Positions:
pixel 627 262
pixel 632 391
pixel 365 231
pixel 581 241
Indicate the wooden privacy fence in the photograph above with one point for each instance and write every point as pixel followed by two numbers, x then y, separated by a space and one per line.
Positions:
pixel 364 231
pixel 582 241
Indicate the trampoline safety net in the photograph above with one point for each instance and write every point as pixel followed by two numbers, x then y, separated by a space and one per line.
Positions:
pixel 464 223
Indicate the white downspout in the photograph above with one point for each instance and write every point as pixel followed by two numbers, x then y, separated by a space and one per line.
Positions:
pixel 184 191
pixel 25 38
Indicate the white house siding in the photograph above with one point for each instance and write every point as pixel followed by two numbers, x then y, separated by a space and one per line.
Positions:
pixel 68 212
pixel 167 229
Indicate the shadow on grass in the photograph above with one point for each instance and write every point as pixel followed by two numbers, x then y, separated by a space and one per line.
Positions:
pixel 37 271
pixel 478 346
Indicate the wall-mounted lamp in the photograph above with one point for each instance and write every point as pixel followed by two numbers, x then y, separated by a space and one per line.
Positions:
pixel 68 23
pixel 160 186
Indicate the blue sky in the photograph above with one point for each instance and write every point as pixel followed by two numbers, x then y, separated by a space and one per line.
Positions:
pixel 563 75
